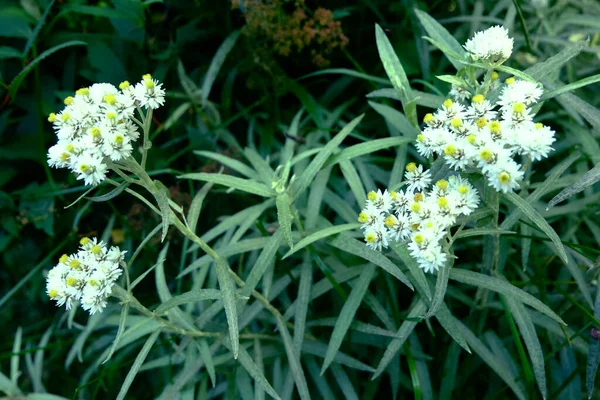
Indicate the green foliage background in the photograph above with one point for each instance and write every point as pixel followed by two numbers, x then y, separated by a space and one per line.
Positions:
pixel 252 114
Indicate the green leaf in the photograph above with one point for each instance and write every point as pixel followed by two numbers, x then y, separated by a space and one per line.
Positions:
pixel 37 29
pixel 448 322
pixel 393 66
pixel 438 33
pixel 348 72
pixel 353 246
pixel 503 287
pixel 594 352
pixel 16 82
pixel 488 357
pixel 323 233
pixel 367 148
pixel 534 348
pixel 293 360
pixel 7 52
pixel 405 330
pixel 192 296
pixel 396 119
pixel 196 206
pixel 246 185
pixel 139 360
pixel 587 180
pixel 284 215
pixel 570 87
pixel 354 181
pixel 228 295
pixel 110 195
pixel 229 162
pixel 14 359
pixel 256 374
pixel 162 198
pixel 482 232
pixel 441 285
pixel 346 316
pixel 545 69
pixel 188 85
pixel 413 267
pixel 207 357
pixel 538 220
pixel 454 80
pixel 120 329
pixel 216 63
pixel 344 382
pixel 308 175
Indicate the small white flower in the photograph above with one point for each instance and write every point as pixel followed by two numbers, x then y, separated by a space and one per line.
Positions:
pixel 432 258
pixel 381 201
pixel 377 238
pixel 417 178
pixel 90 168
pixel 492 45
pixel 149 93
pixel 505 176
pixel 117 146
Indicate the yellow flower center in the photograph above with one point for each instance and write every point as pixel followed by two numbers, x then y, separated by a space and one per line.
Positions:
pixel 510 81
pixel 519 107
pixel 63 259
pixel 419 238
pixel 486 154
pixel 70 147
pixel 119 139
pixel 111 115
pixel 124 85
pixel 53 293
pixel 478 99
pixel 428 118
pixel 68 101
pixel 481 123
pixel 539 125
pixel 495 127
pixel 462 189
pixel 370 238
pixel 420 138
pixel 495 76
pixel 96 249
pixel 82 92
pixel 471 139
pixel 51 117
pixel 84 241
pixel 96 133
pixel 411 167
pixel 442 202
pixel 456 123
pixel 146 77
pixel 416 207
pixel 450 150
pixel 65 117
pixel 74 264
pixel 110 99
pixel 448 103
pixel 64 157
pixel 71 281
pixel 390 221
pixel 84 167
pixel 149 84
pixel 393 194
pixel 442 184
pixel 363 217
pixel 504 177
pixel 418 197
pixel 372 195
pixel 93 282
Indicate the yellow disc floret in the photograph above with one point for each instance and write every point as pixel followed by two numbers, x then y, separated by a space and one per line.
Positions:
pixel 416 207
pixel 75 264
pixel 84 241
pixel 442 201
pixel 84 167
pixel 486 154
pixel 65 117
pixel 478 98
pixel 68 101
pixel 149 84
pixel 96 133
pixel 481 123
pixel 456 122
pixel 418 197
pixel 448 103
pixel 53 293
pixel 146 77
pixel 370 238
pixel 442 184
pixel 372 195
pixel 70 148
pixel 539 125
pixel 51 117
pixel 462 189
pixel 111 115
pixel 119 139
pixel 504 177
pixel 510 81
pixel 393 194
pixel 495 127
pixel 420 138
pixel 450 150
pixel 124 85
pixel 93 282
pixel 63 259
pixel 471 139
pixel 82 92
pixel 419 238
pixel 110 99
pixel 428 118
pixel 96 249
pixel 495 76
pixel 518 107
pixel 363 217
pixel 71 281
pixel 411 167
pixel 390 221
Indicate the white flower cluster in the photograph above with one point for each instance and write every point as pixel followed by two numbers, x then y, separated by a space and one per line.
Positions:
pixel 420 215
pixel 486 135
pixel 97 125
pixel 492 46
pixel 86 276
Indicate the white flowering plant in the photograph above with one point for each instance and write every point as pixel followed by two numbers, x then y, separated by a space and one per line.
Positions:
pixel 339 265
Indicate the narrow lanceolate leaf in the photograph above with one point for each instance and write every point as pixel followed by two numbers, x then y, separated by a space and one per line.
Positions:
pixel 441 285
pixel 139 360
pixel 120 330
pixel 110 195
pixel 293 360
pixel 216 63
pixel 545 69
pixel 448 322
pixel 264 260
pixel 253 370
pixel 192 296
pixel 196 206
pixel 537 219
pixel 347 314
pixel 594 353
pixel 482 232
pixel 230 163
pixel 323 233
pixel 245 185
pixel 353 246
pixel 367 148
pixel 16 82
pixel 532 342
pixel 391 64
pixel 228 294
pixel 488 357
pixel 502 286
pixel 206 356
pixel 413 267
pixel 587 180
pixel 162 198
pixel 306 178
pixel 14 359
pixel 405 330
pixel 438 33
pixel 284 215
pixel 570 87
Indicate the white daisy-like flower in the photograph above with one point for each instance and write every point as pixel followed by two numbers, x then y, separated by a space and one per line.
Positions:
pixel 377 239
pixel 432 258
pixel 459 94
pixel 371 217
pixel 117 146
pixel 149 93
pixel 90 168
pixel 417 177
pixel 492 45
pixel 505 175
pixel 381 201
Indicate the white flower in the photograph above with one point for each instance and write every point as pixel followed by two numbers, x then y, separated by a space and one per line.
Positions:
pixel 505 176
pixel 117 146
pixel 449 111
pixel 520 91
pixel 87 276
pixel 492 45
pixel 537 141
pixel 459 94
pixel 432 258
pixel 417 177
pixel 90 168
pixel 381 201
pixel 371 217
pixel 149 93
pixel 377 238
